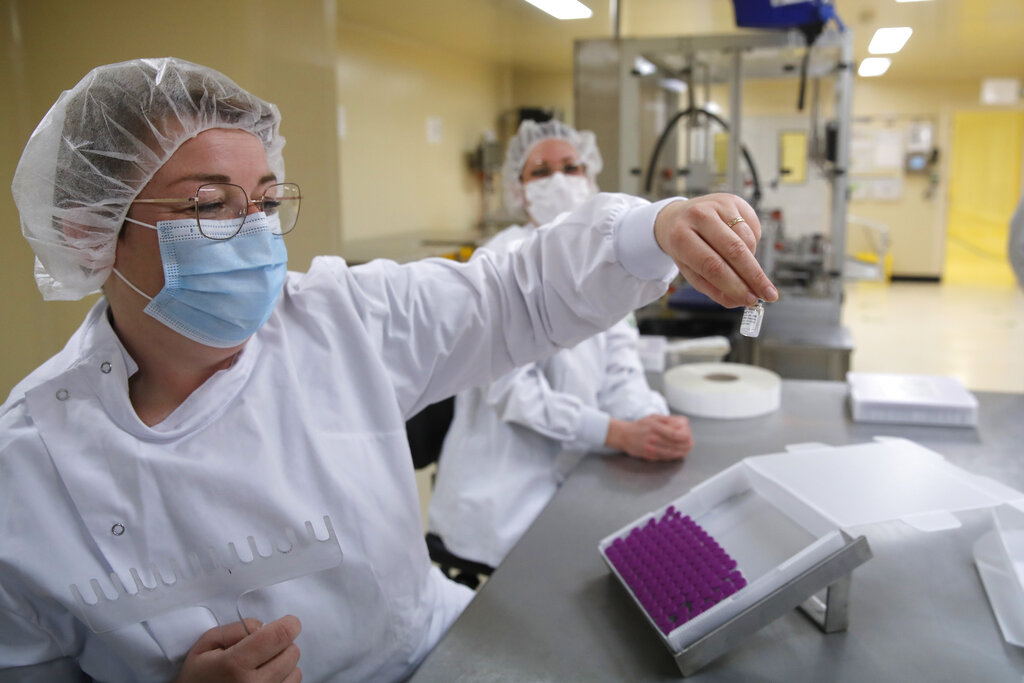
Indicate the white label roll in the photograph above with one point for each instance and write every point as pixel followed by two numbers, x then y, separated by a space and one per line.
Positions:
pixel 722 390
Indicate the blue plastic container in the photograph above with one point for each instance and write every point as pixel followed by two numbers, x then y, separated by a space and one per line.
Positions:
pixel 781 14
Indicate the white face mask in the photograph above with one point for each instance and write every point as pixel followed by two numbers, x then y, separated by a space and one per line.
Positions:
pixel 549 197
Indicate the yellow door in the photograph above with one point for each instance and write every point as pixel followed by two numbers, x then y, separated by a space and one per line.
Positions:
pixel 984 188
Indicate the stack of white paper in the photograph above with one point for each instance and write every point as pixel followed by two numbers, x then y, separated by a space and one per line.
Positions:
pixel 911 399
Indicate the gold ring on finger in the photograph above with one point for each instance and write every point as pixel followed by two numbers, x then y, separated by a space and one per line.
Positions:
pixel 734 221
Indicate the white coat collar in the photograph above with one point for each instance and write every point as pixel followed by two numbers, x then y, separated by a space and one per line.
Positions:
pixel 105 455
pixel 100 367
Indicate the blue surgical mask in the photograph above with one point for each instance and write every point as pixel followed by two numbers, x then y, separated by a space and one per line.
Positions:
pixel 217 292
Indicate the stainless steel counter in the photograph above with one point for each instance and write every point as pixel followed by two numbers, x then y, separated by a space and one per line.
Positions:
pixel 918 611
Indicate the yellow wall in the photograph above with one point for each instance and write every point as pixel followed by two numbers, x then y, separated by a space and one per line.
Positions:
pixel 915 221
pixel 48 45
pixel 536 88
pixel 918 224
pixel 393 179
pixel 674 18
pixel 381 179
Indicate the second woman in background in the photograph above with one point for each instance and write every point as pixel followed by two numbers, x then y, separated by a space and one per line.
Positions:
pixel 511 442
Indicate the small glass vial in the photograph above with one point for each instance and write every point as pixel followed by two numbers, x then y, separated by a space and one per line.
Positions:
pixel 753 316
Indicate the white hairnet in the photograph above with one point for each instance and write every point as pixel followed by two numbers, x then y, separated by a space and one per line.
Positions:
pixel 529 134
pixel 99 145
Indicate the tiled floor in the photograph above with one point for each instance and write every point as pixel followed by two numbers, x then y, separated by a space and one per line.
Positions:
pixel 971 326
pixel 974 332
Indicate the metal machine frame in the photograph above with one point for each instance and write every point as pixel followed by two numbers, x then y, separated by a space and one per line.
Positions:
pixel 833 575
pixel 616 102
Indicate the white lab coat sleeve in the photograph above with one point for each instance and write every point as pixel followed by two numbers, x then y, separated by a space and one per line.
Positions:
pixel 64 670
pixel 525 397
pixel 26 643
pixel 1016 244
pixel 443 327
pixel 625 393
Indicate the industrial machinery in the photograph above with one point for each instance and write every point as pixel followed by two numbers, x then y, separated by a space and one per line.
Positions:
pixel 689 115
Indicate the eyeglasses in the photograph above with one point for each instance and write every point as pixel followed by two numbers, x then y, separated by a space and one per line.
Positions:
pixel 544 169
pixel 220 208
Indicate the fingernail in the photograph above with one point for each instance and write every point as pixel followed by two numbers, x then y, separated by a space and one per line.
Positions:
pixel 773 293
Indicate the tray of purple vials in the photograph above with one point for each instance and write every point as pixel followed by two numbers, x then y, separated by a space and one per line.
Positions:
pixel 675 568
pixel 726 559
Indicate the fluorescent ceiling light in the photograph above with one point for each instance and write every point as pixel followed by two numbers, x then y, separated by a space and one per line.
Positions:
pixel 887 41
pixel 673 85
pixel 874 66
pixel 563 9
pixel 643 67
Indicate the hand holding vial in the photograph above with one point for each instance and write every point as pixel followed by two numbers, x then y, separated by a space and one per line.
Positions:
pixel 712 240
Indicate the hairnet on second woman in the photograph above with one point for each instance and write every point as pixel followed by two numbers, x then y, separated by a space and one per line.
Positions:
pixel 99 145
pixel 528 135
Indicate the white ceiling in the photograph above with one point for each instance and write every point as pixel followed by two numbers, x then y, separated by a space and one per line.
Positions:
pixel 953 39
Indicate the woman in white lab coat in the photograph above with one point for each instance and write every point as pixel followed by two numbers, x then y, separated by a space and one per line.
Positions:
pixel 511 441
pixel 211 395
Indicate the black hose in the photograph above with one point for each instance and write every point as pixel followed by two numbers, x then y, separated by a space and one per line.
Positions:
pixel 803 79
pixel 811 32
pixel 649 178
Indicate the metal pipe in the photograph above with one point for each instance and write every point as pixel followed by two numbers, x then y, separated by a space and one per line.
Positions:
pixel 734 179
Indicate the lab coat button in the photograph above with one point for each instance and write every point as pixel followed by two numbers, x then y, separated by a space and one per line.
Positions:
pixel 105 368
pixel 62 394
pixel 117 529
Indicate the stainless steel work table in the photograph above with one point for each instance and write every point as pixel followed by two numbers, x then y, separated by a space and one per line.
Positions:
pixel 918 611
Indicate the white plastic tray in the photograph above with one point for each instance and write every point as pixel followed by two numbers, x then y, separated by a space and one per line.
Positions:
pixel 884 480
pixel 999 556
pixel 769 546
pixel 778 515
